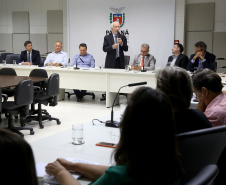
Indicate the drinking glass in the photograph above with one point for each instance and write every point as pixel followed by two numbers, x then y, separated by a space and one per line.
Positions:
pixel 4 62
pixel 127 68
pixel 14 62
pixel 77 134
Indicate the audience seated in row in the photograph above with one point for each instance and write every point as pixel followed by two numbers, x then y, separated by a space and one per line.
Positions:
pixel 176 83
pixel 162 161
pixel 212 101
pixel 18 164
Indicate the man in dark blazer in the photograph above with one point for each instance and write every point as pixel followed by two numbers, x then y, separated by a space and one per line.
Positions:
pixel 201 59
pixel 115 44
pixel 29 56
pixel 178 59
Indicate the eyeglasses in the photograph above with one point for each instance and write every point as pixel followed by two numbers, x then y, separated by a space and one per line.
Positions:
pixel 143 51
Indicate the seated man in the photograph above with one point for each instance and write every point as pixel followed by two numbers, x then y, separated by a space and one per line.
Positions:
pixel 207 86
pixel 58 57
pixel 144 59
pixel 29 56
pixel 201 59
pixel 82 60
pixel 178 59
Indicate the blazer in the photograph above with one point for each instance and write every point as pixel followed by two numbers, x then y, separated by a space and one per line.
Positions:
pixel 210 59
pixel 35 57
pixel 181 61
pixel 149 61
pixel 110 60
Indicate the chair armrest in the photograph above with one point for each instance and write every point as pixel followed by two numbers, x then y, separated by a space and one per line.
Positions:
pixel 36 87
pixel 5 97
pixel 205 176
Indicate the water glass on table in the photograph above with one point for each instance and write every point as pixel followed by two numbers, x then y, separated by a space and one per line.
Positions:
pixel 127 68
pixel 4 62
pixel 77 134
pixel 14 62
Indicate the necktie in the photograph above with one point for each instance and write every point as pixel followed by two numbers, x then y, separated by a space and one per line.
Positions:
pixel 29 57
pixel 142 63
pixel 116 42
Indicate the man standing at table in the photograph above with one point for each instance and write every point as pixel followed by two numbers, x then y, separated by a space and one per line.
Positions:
pixel 115 44
pixel 144 59
pixel 178 59
pixel 58 57
pixel 84 60
pixel 29 56
pixel 201 59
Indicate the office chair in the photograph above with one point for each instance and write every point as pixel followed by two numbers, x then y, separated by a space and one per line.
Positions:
pixel 200 148
pixel 22 99
pixel 9 58
pixel 8 71
pixel 206 176
pixel 3 56
pixel 215 66
pixel 42 60
pixel 48 97
pixel 87 93
pixel 127 59
pixel 39 73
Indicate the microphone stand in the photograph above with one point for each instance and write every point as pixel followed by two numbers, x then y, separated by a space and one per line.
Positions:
pixel 76 65
pixel 112 123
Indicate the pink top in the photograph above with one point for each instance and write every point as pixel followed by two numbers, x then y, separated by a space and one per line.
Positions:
pixel 216 111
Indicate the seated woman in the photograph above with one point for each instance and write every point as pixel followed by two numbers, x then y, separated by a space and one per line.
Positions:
pixel 141 127
pixel 175 82
pixel 17 160
pixel 212 101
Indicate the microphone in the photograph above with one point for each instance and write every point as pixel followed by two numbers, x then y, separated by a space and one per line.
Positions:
pixel 81 59
pixel 112 123
pixel 76 64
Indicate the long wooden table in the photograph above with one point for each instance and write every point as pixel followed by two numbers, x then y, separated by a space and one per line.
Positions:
pixel 10 81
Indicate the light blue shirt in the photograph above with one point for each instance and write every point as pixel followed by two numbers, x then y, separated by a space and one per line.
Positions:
pixel 60 57
pixel 88 60
pixel 200 66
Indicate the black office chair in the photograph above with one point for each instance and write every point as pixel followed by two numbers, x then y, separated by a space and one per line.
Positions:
pixel 215 66
pixel 39 73
pixel 206 176
pixel 200 148
pixel 3 56
pixel 22 99
pixel 48 97
pixel 127 59
pixel 8 71
pixel 9 58
pixel 42 60
pixel 87 93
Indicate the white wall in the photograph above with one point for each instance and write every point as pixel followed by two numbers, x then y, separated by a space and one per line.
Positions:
pixel 37 14
pixel 147 22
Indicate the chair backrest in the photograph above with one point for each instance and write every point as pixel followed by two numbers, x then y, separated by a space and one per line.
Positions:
pixel 8 71
pixel 9 58
pixel 200 148
pixel 206 176
pixel 127 59
pixel 0 100
pixel 42 60
pixel 53 85
pixel 215 66
pixel 39 73
pixel 3 56
pixel 24 93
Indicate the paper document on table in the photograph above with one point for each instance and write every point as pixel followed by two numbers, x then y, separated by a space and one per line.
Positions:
pixel 40 170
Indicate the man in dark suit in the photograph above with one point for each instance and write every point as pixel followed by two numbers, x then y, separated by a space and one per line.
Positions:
pixel 178 59
pixel 201 59
pixel 29 56
pixel 115 44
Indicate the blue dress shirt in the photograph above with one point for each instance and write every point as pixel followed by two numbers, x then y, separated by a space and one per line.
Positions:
pixel 88 60
pixel 60 57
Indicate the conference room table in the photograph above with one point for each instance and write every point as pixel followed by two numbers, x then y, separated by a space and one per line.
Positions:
pixel 10 81
pixel 92 79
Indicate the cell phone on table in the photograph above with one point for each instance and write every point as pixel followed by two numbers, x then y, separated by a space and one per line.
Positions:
pixel 106 144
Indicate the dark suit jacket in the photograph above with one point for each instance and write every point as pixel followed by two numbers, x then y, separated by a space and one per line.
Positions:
pixel 210 59
pixel 35 57
pixel 110 60
pixel 190 120
pixel 182 61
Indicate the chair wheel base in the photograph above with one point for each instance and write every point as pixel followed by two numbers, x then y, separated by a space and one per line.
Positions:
pixel 58 122
pixel 32 132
